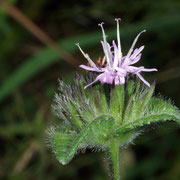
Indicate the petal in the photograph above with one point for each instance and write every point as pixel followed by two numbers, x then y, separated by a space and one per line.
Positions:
pixel 91 69
pixel 132 69
pixel 139 69
pixel 122 80
pixel 149 70
pixel 116 81
pixel 142 79
pixel 110 79
pixel 97 79
pixel 91 83
pixel 122 61
pixel 107 78
pixel 121 72
pixel 119 80
pixel 135 60
pixel 136 52
pixel 132 47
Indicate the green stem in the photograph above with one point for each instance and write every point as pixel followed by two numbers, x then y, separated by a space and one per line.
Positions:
pixel 114 161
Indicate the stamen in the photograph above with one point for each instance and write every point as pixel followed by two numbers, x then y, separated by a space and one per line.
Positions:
pixel 133 44
pixel 118 39
pixel 86 56
pixel 107 53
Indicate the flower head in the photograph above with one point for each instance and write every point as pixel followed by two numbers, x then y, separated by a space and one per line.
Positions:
pixel 118 66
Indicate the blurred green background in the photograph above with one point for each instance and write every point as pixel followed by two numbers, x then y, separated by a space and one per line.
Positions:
pixel 33 57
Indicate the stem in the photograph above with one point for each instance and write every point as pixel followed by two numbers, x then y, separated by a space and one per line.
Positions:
pixel 114 161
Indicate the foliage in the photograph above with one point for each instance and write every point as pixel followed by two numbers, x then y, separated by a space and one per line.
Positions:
pixel 93 118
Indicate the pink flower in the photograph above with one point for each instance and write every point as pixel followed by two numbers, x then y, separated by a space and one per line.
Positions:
pixel 118 66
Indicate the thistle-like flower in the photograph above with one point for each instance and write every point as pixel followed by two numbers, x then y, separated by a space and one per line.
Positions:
pixel 118 66
pixel 107 117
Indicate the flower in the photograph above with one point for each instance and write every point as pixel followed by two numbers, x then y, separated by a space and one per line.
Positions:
pixel 118 66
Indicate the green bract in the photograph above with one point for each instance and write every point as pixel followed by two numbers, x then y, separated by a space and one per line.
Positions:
pixel 104 116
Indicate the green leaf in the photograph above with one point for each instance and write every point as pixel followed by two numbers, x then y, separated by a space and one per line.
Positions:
pixel 117 102
pixel 65 145
pixel 159 110
pixel 130 88
pixel 133 105
pixel 100 133
pixel 137 103
pixel 102 100
pixel 147 97
pixel 130 95
pixel 75 119
pixel 159 106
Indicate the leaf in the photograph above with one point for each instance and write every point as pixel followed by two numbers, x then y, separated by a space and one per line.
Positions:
pixel 75 119
pixel 147 97
pixel 102 100
pixel 117 102
pixel 160 111
pixel 137 103
pixel 65 145
pixel 133 104
pixel 157 106
pixel 130 95
pixel 101 132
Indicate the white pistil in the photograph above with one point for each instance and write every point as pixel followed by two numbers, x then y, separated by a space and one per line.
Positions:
pixel 132 46
pixel 107 53
pixel 118 40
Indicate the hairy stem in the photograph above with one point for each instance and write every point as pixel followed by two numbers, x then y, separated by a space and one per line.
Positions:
pixel 114 162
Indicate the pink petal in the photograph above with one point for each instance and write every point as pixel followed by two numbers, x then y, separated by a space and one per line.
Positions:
pixel 91 62
pixel 106 78
pixel 91 68
pixel 142 79
pixel 135 60
pixel 149 70
pixel 91 83
pixel 136 52
pixel 119 80
pixel 110 79
pixel 97 79
pixel 121 72
pixel 122 80
pixel 132 69
pixel 138 69
pixel 122 60
pixel 116 81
